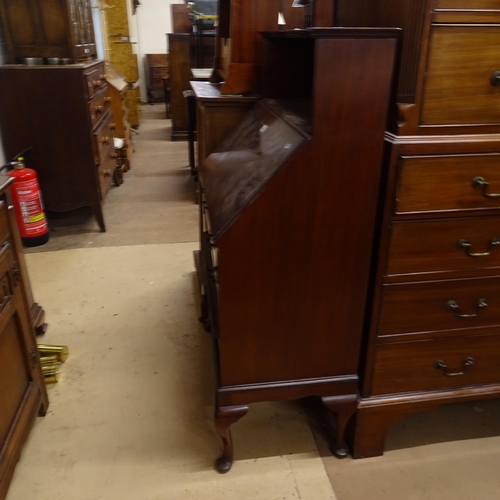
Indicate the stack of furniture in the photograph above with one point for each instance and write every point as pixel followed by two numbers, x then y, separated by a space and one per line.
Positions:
pixel 64 114
pixel 288 212
pixel 61 111
pixel 120 52
pixel 22 389
pixel 434 334
pixel 157 71
pixel 183 56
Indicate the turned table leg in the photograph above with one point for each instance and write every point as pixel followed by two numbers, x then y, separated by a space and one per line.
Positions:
pixel 343 408
pixel 225 416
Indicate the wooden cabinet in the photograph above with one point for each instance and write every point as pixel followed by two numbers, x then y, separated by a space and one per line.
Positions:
pixel 157 70
pixel 434 327
pixel 22 388
pixel 56 28
pixel 283 239
pixel 63 113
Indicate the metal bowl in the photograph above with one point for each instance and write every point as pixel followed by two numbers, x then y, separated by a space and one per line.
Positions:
pixel 53 60
pixel 32 61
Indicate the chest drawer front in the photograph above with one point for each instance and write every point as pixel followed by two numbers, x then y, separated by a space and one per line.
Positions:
pixel 468 4
pixel 443 183
pixel 436 364
pixel 458 88
pixel 418 308
pixel 95 80
pixel 99 105
pixel 444 245
pixel 103 137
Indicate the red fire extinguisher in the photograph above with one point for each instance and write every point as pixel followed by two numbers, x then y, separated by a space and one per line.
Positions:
pixel 28 205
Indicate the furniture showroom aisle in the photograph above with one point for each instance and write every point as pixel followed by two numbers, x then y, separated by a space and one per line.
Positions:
pixel 131 416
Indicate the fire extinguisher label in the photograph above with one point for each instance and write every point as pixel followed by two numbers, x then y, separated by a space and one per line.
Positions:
pixel 31 213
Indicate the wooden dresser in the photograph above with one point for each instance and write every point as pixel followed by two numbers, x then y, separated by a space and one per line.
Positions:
pixel 64 114
pixel 22 388
pixel 435 320
pixel 278 255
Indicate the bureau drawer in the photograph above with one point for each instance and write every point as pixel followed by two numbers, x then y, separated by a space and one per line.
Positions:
pixel 99 105
pixel 95 80
pixel 468 4
pixel 436 364
pixel 442 183
pixel 458 88
pixel 106 170
pixel 103 137
pixel 444 245
pixel 437 306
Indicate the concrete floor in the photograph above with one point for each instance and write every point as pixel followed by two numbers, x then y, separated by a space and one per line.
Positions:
pixel 130 417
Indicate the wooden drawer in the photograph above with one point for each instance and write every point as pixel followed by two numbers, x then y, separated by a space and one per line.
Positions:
pixel 95 80
pixel 458 88
pixel 442 183
pixel 99 105
pixel 432 246
pixel 103 137
pixel 106 169
pixel 159 72
pixel 414 366
pixel 419 308
pixel 468 4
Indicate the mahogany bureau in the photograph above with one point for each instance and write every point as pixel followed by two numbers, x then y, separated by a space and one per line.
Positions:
pixel 434 322
pixel 288 203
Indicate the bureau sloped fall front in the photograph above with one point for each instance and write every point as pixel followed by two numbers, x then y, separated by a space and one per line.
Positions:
pixel 288 206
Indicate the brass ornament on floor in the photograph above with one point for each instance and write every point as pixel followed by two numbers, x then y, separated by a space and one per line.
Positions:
pixel 61 351
pixel 51 358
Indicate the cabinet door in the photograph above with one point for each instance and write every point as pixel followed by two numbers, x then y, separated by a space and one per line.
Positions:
pixel 20 378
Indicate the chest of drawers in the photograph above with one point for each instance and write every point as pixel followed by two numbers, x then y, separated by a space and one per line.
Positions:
pixel 434 329
pixel 64 114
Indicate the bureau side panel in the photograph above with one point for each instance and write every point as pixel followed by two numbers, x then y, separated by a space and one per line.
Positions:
pixel 294 268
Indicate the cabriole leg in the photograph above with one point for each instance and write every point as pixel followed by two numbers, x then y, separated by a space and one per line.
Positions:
pixel 225 416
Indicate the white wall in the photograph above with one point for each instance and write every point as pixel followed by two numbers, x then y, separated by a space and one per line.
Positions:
pixel 148 27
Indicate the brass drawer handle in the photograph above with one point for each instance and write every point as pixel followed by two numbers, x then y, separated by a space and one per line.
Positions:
pixel 464 245
pixel 441 365
pixel 481 183
pixel 495 78
pixel 452 306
